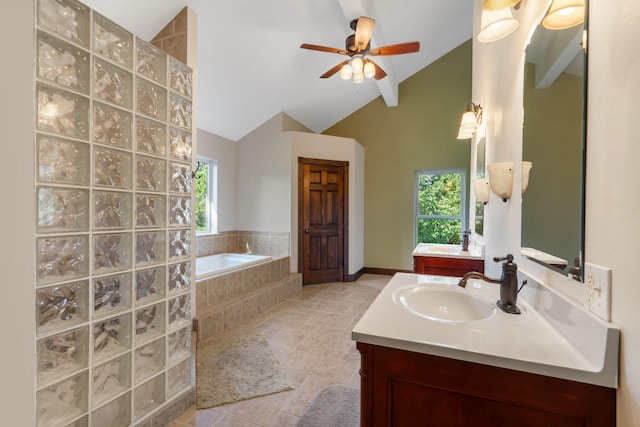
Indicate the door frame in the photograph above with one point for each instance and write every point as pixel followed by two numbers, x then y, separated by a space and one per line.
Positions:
pixel 345 213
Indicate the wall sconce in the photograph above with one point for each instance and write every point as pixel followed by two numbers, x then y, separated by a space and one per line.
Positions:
pixel 501 179
pixel 526 169
pixel 481 190
pixel 496 24
pixel 471 119
pixel 564 14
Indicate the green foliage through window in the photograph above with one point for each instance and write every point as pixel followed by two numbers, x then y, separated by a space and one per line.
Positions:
pixel 439 206
pixel 202 197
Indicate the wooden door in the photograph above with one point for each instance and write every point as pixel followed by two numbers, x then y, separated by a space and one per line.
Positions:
pixel 321 220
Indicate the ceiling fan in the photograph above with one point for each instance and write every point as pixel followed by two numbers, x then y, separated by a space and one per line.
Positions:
pixel 358 49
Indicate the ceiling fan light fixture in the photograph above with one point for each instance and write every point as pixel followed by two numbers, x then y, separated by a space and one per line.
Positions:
pixel 358 78
pixel 496 24
pixel 346 72
pixel 357 65
pixel 369 69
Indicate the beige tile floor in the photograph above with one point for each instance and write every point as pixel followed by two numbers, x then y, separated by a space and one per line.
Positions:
pixel 310 334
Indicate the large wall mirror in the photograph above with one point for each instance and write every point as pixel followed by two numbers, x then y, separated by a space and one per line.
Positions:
pixel 554 141
pixel 478 227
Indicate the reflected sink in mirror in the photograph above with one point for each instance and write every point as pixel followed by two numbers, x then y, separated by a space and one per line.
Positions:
pixel 444 305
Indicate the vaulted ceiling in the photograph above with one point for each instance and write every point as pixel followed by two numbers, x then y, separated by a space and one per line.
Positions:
pixel 251 67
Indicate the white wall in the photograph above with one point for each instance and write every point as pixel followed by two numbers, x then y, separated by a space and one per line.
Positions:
pixel 332 148
pixel 225 151
pixel 613 202
pixel 17 256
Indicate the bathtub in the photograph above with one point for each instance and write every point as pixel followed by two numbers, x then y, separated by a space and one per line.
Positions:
pixel 213 265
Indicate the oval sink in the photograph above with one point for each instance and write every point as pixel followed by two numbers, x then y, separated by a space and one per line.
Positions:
pixel 443 304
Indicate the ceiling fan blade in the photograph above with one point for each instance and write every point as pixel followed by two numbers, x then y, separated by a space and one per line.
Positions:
pixel 364 29
pixel 334 70
pixel 396 49
pixel 323 48
pixel 380 73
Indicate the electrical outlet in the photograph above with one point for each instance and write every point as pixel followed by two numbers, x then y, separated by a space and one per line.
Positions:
pixel 598 282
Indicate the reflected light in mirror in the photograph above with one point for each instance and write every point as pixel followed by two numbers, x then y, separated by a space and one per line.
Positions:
pixel 564 14
pixel 481 190
pixel 501 179
pixel 526 169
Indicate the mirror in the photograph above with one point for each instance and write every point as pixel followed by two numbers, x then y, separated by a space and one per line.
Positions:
pixel 480 173
pixel 554 141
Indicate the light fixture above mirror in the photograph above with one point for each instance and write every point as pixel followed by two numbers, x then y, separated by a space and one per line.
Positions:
pixel 564 14
pixel 471 119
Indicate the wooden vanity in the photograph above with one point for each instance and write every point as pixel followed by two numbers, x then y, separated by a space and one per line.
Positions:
pixel 404 388
pixel 446 260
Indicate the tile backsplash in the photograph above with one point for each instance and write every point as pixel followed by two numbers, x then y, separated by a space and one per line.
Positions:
pixel 275 244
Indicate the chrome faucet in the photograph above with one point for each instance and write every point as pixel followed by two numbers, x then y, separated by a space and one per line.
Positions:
pixel 508 284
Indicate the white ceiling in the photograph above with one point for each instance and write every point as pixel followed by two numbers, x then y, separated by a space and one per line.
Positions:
pixel 251 67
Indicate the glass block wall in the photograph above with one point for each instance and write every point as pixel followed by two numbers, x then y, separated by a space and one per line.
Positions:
pixel 113 188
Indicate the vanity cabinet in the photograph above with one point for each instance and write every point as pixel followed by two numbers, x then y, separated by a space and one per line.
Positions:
pixel 404 388
pixel 446 266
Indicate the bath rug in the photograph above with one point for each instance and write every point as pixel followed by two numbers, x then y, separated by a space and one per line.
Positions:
pixel 237 368
pixel 336 406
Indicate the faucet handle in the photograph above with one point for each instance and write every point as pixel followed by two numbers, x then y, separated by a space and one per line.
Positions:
pixel 508 258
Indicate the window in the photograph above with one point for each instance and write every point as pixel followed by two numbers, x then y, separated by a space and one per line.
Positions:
pixel 206 196
pixel 439 205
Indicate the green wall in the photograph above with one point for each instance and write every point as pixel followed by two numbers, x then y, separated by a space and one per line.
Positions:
pixel 420 133
pixel 553 143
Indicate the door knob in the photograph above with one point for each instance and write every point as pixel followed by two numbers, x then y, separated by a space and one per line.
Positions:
pixel 306 230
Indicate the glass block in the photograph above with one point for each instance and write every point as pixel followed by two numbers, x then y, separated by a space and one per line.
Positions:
pixel 111 125
pixel 150 210
pixel 179 210
pixel 111 379
pixel 112 84
pixel 151 174
pixel 181 111
pixel 179 178
pixel 148 360
pixel 111 336
pixel 151 99
pixel 150 323
pixel 62 63
pixel 111 252
pixel 112 210
pixel 80 422
pixel 179 310
pixel 179 277
pixel 112 41
pixel 62 210
pixel 62 160
pixel 111 294
pixel 180 144
pixel 62 354
pixel 62 402
pixel 179 244
pixel 150 284
pixel 62 306
pixel 150 247
pixel 62 112
pixel 151 136
pixel 178 378
pixel 181 78
pixel 112 168
pixel 68 19
pixel 179 343
pixel 151 62
pixel 62 258
pixel 148 396
pixel 114 414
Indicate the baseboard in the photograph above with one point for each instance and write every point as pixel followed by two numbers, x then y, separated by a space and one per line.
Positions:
pixel 384 271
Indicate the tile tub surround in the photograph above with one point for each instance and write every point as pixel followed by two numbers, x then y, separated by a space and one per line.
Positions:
pixel 223 302
pixel 275 244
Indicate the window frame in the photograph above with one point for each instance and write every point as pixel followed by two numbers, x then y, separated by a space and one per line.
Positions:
pixel 211 217
pixel 463 199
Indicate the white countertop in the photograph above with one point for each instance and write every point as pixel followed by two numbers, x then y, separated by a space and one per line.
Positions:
pixel 528 342
pixel 448 251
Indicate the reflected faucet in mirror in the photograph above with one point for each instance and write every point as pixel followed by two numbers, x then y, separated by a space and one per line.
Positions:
pixel 508 284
